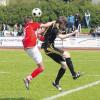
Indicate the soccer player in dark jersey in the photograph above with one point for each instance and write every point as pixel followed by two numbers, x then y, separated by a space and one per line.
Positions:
pixel 60 56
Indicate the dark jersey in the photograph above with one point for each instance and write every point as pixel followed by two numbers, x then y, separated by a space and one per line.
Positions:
pixel 50 35
pixel 48 45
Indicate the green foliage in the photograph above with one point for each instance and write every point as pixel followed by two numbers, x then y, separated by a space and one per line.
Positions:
pixel 17 9
pixel 94 11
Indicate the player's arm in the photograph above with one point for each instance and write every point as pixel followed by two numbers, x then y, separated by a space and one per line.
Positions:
pixel 63 36
pixel 47 24
pixel 40 33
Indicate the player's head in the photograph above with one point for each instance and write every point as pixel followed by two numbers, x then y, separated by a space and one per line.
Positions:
pixel 62 21
pixel 28 19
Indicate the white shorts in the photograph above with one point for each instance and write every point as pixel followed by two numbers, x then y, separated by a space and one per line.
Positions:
pixel 35 54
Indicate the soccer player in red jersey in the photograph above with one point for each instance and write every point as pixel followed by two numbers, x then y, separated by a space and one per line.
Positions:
pixel 30 46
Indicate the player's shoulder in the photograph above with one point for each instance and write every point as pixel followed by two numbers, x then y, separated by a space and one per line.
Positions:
pixel 35 23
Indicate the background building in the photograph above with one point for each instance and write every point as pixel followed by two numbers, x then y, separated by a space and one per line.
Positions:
pixel 4 2
pixel 96 2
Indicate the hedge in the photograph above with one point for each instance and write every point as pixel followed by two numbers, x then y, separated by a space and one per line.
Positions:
pixel 51 9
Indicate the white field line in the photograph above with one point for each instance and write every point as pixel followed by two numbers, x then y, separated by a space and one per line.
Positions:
pixel 72 91
pixel 91 75
pixel 84 73
pixel 1 72
pixel 46 60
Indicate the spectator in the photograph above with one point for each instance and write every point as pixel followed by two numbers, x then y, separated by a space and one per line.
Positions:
pixel 20 30
pixel 78 22
pixel 15 29
pixel 71 22
pixel 84 22
pixel 95 31
pixel 5 29
pixel 87 18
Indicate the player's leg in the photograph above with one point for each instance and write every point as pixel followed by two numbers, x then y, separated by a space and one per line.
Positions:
pixel 60 74
pixel 35 73
pixel 55 55
pixel 70 65
pixel 37 57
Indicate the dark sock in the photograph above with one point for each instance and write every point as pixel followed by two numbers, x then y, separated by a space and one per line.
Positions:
pixel 70 66
pixel 60 75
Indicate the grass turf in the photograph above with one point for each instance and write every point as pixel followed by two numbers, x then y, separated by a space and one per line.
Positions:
pixel 15 65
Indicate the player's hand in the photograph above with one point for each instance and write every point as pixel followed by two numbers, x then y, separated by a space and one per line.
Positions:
pixel 54 21
pixel 76 31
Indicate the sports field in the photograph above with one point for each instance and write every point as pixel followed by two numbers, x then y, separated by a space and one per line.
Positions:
pixel 15 65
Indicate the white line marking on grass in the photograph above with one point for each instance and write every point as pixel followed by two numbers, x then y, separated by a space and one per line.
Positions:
pixel 85 74
pixel 91 75
pixel 3 72
pixel 94 75
pixel 73 90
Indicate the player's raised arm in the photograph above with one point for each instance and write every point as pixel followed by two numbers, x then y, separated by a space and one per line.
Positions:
pixel 63 36
pixel 47 24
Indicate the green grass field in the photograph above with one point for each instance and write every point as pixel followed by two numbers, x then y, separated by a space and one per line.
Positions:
pixel 15 65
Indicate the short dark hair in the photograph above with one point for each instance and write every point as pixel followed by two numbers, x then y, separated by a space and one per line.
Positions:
pixel 62 20
pixel 27 19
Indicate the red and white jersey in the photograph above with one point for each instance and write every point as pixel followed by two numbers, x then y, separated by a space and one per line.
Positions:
pixel 30 38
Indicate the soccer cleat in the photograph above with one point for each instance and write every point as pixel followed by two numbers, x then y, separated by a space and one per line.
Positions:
pixel 27 82
pixel 77 75
pixel 57 86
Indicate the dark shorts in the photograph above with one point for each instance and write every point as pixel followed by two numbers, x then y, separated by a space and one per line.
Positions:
pixel 54 53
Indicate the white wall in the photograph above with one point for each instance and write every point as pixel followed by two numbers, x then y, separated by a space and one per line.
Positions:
pixel 96 2
pixel 4 2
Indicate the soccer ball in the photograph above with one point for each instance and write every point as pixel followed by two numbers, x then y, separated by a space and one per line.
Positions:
pixel 36 12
